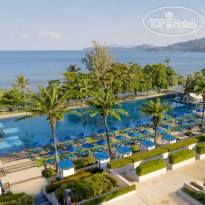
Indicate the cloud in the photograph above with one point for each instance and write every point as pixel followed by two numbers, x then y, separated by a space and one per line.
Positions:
pixel 49 34
pixel 26 36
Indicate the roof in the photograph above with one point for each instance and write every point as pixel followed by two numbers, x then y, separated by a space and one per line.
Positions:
pixel 65 164
pixel 102 155
pixel 169 137
pixel 124 149
pixel 148 143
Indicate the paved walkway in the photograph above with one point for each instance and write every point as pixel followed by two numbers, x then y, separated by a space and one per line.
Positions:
pixel 162 189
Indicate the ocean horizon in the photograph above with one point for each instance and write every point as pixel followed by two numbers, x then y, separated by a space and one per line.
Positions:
pixel 40 66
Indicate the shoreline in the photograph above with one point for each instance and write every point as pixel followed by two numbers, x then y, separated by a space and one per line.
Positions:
pixel 132 98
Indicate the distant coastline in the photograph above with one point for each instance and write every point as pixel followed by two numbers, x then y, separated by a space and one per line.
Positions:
pixel 197 45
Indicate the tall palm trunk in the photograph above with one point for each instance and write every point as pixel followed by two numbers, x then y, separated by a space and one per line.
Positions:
pixel 108 138
pixel 86 94
pixel 52 121
pixel 202 124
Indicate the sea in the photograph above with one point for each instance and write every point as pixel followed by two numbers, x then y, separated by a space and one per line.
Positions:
pixel 42 66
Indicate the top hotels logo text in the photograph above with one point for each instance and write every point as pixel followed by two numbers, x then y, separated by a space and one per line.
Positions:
pixel 173 21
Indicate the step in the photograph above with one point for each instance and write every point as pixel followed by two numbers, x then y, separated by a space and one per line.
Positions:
pixel 26 180
pixel 19 169
pixel 19 165
pixel 13 154
pixel 40 199
pixel 13 159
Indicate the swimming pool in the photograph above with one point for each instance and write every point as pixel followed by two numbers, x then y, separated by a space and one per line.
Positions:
pixel 38 129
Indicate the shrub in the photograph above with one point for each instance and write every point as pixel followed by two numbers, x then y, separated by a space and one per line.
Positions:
pixel 110 196
pixel 199 195
pixel 189 133
pixel 145 155
pixel 135 148
pixel 88 187
pixel 181 156
pixel 150 166
pixel 48 172
pixel 80 163
pixel 202 138
pixel 11 197
pixel 200 149
pixel 78 175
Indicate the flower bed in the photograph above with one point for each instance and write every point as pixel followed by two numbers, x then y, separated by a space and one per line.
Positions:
pixel 88 187
pixel 109 196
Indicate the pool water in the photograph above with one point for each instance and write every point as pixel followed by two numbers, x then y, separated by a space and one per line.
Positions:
pixel 38 129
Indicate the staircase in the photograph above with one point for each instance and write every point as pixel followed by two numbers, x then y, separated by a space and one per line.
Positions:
pixel 7 158
pixel 40 199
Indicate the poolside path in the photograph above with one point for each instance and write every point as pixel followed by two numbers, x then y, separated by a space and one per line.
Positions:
pixel 162 189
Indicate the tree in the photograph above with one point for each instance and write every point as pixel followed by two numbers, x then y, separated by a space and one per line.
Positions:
pixel 157 110
pixel 182 80
pixel 148 77
pixel 22 82
pixel 198 86
pixel 190 79
pixel 98 61
pixel 49 103
pixel 12 99
pixel 171 76
pixel 167 61
pixel 105 105
pixel 73 68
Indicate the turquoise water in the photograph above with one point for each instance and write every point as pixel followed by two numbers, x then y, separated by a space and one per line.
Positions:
pixel 38 129
pixel 41 66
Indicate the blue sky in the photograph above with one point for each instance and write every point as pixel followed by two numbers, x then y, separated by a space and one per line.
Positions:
pixel 73 24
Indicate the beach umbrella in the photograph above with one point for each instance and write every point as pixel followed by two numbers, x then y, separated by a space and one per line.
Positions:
pixel 134 134
pixel 39 144
pixel 142 123
pixel 166 118
pixel 191 112
pixel 87 145
pixel 191 121
pixel 167 127
pixel 199 110
pixel 184 114
pixel 115 128
pixel 57 141
pixel 102 142
pixel 72 149
pixel 130 125
pixel 70 137
pixel 84 134
pixel 175 116
pixel 159 129
pixel 73 155
pixel 182 123
pixel 101 131
pixel 145 132
pixel 52 153
pixel 121 137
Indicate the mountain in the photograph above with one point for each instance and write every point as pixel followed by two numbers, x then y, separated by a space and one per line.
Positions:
pixel 197 45
pixel 127 48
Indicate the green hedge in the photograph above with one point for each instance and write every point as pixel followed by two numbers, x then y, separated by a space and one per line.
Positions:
pixel 150 166
pixel 11 197
pixel 145 155
pixel 200 149
pixel 78 175
pixel 181 156
pixel 110 196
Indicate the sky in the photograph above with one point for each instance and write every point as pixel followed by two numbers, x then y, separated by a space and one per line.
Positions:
pixel 74 24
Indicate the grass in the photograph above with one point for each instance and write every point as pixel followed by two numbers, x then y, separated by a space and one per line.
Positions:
pixel 40 162
pixel 186 191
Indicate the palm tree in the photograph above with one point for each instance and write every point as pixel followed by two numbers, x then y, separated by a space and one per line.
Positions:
pixel 105 105
pixel 167 61
pixel 199 89
pixel 50 102
pixel 22 82
pixel 156 110
pixel 73 68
